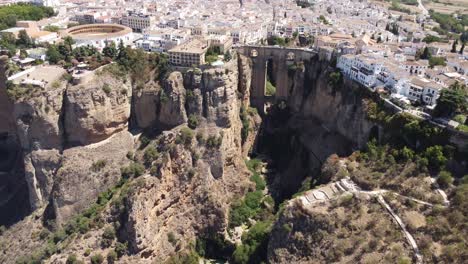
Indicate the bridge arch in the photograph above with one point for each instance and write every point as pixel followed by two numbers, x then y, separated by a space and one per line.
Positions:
pixel 281 58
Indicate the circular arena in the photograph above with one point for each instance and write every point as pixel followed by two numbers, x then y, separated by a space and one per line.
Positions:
pixel 99 34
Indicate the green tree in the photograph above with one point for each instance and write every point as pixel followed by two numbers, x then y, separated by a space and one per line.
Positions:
pixel 110 50
pixel 445 179
pixel 435 156
pixel 53 54
pixel 122 56
pixel 434 61
pixel 23 39
pixel 426 54
pixel 64 51
pixel 452 101
pixel 23 54
pixel 431 38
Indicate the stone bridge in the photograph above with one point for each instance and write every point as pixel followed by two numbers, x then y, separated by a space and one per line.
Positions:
pixel 281 59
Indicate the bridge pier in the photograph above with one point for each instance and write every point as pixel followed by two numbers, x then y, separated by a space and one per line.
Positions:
pixel 281 58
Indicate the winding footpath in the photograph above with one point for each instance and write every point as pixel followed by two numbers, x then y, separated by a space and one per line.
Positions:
pixel 423 9
pixel 402 225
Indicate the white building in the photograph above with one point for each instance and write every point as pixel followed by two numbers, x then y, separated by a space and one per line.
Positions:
pixel 138 22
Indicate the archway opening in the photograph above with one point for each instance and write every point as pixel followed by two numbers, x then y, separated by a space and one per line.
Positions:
pixel 270 83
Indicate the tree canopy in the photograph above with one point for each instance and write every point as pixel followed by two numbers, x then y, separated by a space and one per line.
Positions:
pixel 452 101
pixel 12 13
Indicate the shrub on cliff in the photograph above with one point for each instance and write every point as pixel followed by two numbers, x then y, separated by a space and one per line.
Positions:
pixel 335 80
pixel 111 257
pixel 108 237
pixel 185 137
pixel 150 155
pixel 193 121
pixel 97 259
pixel 445 179
pixel 214 141
pixel 133 170
pixel 245 124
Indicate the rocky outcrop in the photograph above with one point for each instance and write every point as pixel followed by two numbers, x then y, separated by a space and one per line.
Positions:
pixel 144 106
pixel 338 109
pixel 86 171
pixel 190 197
pixel 96 109
pixel 321 232
pixel 13 186
pixel 171 110
pixel 40 132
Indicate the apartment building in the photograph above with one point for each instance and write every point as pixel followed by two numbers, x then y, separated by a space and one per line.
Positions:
pixel 191 53
pixel 138 22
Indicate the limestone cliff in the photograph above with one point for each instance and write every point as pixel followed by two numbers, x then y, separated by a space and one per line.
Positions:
pixel 318 119
pixel 77 142
pixel 96 108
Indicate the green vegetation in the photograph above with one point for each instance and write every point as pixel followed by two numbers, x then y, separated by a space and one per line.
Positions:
pixel 184 258
pixel 430 38
pixel 72 259
pixel 185 136
pixel 407 2
pixel 303 4
pixel 449 23
pixel 214 246
pixel 253 203
pixel 80 224
pixel 98 165
pixel 274 40
pixel 403 129
pixel 214 142
pixel 323 20
pixel 445 179
pixel 52 28
pixel 132 171
pixel 97 259
pixel 270 89
pixel 111 257
pixel 212 54
pixel 452 101
pixel 9 14
pixel 106 88
pixel 150 155
pixel 335 80
pixel 171 238
pixel 193 121
pixel 254 244
pixel 245 124
pixel 108 237
pixel 110 50
pixel 121 249
pixel 397 7
pixel 434 61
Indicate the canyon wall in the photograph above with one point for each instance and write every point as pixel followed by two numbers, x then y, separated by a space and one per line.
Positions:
pixel 76 137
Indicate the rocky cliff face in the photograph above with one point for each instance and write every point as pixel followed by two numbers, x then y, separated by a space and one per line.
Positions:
pixel 318 120
pixel 75 139
pixel 96 109
pixel 13 187
pixel 196 181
